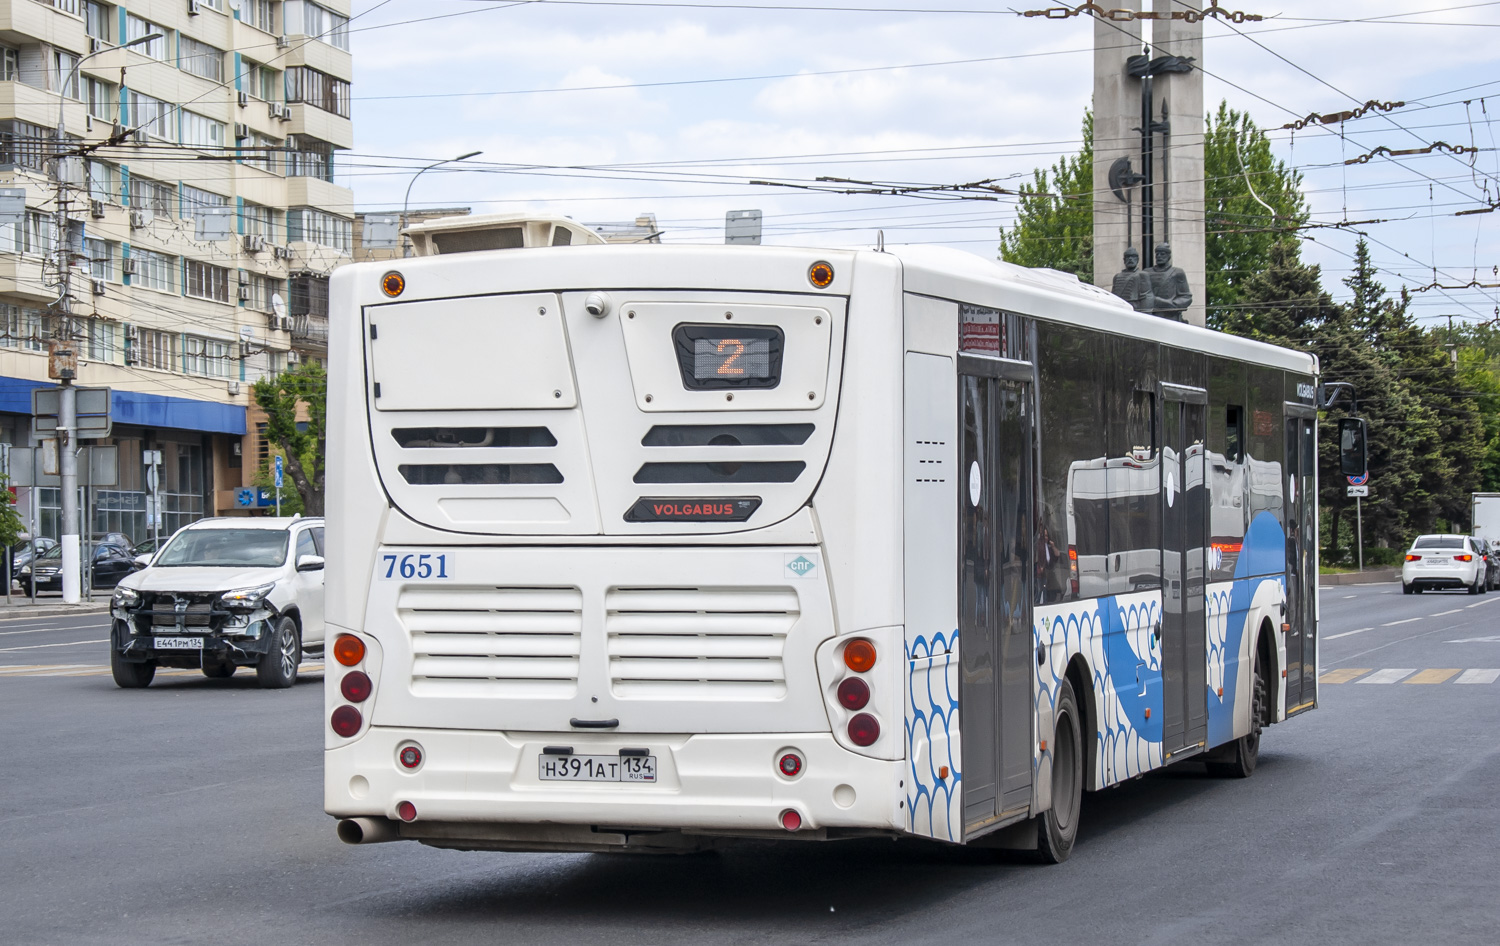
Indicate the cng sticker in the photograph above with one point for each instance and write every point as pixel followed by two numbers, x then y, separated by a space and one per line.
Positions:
pixel 802 566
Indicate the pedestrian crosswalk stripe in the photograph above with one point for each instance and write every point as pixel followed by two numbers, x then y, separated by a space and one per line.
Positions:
pixel 1478 676
pixel 1433 676
pixel 1344 675
pixel 1389 675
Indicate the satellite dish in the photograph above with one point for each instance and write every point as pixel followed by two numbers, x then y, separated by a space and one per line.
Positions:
pixel 278 306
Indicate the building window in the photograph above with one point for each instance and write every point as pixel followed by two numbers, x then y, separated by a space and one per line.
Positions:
pixel 207 357
pixel 154 270
pixel 258 220
pixel 154 197
pixel 309 295
pixel 155 350
pixel 306 225
pixel 63 64
pixel 262 152
pixel 135 28
pixel 201 59
pixel 310 157
pixel 97 18
pixel 207 281
pixel 201 131
pixel 260 14
pixel 263 82
pixel 24 145
pixel 101 258
pixel 261 290
pixel 101 341
pixel 103 181
pixel 317 22
pixel 10 64
pixel 152 115
pixel 195 199
pixel 22 328
pixel 102 98
pixel 318 89
pixel 31 235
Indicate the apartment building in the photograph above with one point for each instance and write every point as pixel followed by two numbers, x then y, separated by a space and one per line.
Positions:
pixel 231 118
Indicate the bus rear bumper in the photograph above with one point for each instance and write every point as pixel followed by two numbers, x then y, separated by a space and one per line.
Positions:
pixel 484 790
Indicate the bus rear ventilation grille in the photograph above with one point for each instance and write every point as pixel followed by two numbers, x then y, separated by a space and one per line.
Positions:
pixel 727 435
pixel 752 471
pixel 479 474
pixel 443 437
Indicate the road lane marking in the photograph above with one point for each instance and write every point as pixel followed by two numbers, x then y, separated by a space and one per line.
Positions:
pixel 1347 597
pixel 1477 603
pixel 1394 623
pixel 1389 675
pixel 1344 675
pixel 1478 676
pixel 1475 640
pixel 1334 637
pixel 1433 676
pixel 6 650
pixel 25 668
pixel 1444 613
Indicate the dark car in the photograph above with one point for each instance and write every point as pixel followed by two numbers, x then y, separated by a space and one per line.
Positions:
pixel 21 552
pixel 1491 552
pixel 111 563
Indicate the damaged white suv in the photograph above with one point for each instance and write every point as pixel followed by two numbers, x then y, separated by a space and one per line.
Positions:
pixel 223 594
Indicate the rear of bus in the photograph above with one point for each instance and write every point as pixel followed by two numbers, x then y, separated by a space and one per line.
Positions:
pixel 614 548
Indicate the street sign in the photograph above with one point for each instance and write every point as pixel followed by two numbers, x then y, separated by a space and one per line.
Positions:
pixel 1359 490
pixel 1360 480
pixel 279 479
pixel 94 420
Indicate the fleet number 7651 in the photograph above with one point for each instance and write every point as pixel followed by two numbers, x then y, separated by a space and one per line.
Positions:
pixel 415 565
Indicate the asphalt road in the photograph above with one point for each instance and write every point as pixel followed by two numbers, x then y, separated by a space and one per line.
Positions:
pixel 191 813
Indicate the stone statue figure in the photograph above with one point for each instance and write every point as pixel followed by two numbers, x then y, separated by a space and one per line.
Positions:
pixel 1169 285
pixel 1134 284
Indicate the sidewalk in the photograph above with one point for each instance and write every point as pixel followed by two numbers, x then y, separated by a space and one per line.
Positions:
pixel 1369 576
pixel 49 606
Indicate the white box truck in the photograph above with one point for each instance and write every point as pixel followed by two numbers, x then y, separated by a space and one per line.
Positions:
pixel 1484 514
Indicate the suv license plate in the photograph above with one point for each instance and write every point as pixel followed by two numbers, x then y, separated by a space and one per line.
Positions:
pixel 597 768
pixel 178 643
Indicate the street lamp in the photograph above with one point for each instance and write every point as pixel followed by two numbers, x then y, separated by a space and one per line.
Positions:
pixel 67 394
pixel 406 204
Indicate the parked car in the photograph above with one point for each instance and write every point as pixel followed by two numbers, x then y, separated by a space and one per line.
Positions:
pixel 1491 552
pixel 220 595
pixel 1444 561
pixel 21 552
pixel 111 563
pixel 143 550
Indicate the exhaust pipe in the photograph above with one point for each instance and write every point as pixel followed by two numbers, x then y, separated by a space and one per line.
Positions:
pixel 368 830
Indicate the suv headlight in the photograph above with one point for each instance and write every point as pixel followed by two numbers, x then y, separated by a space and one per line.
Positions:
pixel 124 598
pixel 246 597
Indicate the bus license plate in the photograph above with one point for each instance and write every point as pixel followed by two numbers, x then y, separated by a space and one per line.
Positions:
pixel 179 643
pixel 597 768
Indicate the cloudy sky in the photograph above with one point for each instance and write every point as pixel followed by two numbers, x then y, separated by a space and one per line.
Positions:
pixel 603 110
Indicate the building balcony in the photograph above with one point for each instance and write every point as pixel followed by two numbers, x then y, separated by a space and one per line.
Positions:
pixel 38 19
pixel 325 126
pixel 310 330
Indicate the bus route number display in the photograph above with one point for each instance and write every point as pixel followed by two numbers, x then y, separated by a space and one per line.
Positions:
pixel 728 356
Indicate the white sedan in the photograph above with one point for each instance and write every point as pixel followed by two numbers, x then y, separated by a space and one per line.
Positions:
pixel 1443 561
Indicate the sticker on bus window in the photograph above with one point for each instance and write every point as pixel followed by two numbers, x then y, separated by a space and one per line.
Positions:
pixel 415 566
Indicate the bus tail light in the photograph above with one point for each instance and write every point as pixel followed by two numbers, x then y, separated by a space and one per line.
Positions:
pixel 1073 569
pixel 854 693
pixel 791 820
pixel 346 721
pixel 790 765
pixel 406 811
pixel 356 686
pixel 864 729
pixel 859 655
pixel 348 650
pixel 410 756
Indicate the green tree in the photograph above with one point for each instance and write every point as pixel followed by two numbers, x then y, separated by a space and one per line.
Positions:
pixel 1055 215
pixel 11 526
pixel 303 444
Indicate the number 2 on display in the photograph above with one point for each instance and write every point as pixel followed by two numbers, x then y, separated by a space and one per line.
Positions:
pixel 739 349
pixel 415 565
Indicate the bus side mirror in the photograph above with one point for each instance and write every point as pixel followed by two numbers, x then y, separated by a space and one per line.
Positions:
pixel 1353 460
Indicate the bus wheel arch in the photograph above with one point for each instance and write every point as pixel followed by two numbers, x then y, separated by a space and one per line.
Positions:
pixel 1265 650
pixel 1081 678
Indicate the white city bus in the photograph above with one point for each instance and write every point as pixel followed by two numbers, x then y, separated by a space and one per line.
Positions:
pixel 643 547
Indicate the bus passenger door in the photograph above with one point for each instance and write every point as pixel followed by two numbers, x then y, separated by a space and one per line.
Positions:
pixel 1301 557
pixel 996 523
pixel 1185 499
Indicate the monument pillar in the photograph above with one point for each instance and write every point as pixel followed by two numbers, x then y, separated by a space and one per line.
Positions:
pixel 1117 113
pixel 1180 169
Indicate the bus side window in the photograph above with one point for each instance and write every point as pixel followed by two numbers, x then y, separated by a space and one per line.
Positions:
pixel 1234 434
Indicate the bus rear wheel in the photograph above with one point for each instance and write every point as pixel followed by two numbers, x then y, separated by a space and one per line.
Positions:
pixel 1246 750
pixel 1058 828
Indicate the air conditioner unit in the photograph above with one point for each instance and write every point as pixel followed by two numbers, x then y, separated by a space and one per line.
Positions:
pixel 139 220
pixel 254 243
pixel 127 266
pixel 244 98
pixel 96 209
pixel 95 45
pixel 99 286
pixel 282 42
pixel 234 388
pixel 241 131
pixel 282 253
pixel 138 135
pixel 244 293
pixel 292 357
pixel 279 111
pixel 132 334
pixel 131 358
pixel 193 8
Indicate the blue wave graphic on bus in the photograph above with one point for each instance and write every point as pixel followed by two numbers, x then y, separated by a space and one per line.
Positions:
pixel 933 718
pixel 1141 702
pixel 1263 554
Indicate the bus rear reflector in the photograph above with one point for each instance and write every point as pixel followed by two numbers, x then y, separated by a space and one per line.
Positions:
pixel 790 820
pixel 854 693
pixel 356 686
pixel 406 811
pixel 864 729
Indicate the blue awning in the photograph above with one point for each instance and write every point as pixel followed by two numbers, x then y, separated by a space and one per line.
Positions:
pixel 143 410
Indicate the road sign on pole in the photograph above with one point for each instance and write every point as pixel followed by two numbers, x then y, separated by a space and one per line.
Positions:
pixel 1358 490
pixel 278 484
pixel 1361 480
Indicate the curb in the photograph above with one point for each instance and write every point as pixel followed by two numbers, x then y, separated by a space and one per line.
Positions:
pixel 11 612
pixel 1369 576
